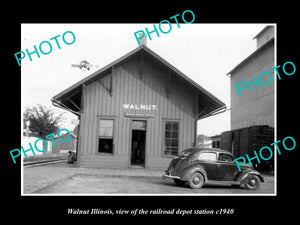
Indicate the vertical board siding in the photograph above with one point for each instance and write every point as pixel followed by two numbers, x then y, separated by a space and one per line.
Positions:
pixel 256 107
pixel 131 88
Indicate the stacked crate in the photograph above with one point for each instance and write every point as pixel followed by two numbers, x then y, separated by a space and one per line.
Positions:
pixel 245 140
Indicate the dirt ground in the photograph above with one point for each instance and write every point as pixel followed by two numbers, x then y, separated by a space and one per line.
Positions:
pixel 63 179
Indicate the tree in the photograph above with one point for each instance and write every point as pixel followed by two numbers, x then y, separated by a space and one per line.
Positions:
pixel 42 120
pixel 201 138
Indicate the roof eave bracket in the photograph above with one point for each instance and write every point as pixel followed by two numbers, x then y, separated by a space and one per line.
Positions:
pixel 215 112
pixel 62 106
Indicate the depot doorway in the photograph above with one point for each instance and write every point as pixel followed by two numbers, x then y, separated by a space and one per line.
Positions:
pixel 138 142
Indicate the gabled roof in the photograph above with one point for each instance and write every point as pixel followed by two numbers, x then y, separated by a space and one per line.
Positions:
pixel 70 98
pixel 263 31
pixel 251 56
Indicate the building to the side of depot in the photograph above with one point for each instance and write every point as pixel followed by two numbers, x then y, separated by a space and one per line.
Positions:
pixel 59 148
pixel 252 115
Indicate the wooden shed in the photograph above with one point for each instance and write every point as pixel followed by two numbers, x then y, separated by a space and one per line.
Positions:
pixel 137 111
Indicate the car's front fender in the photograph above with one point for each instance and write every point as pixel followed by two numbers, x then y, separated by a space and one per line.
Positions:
pixel 188 171
pixel 243 177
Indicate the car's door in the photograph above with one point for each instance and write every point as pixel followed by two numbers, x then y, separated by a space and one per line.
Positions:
pixel 226 167
pixel 208 160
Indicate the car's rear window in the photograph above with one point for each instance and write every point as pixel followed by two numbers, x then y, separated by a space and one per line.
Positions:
pixel 207 156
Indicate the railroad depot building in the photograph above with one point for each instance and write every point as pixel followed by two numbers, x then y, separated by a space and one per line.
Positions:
pixel 137 111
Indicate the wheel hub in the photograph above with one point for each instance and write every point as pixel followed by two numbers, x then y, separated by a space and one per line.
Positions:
pixel 252 182
pixel 196 180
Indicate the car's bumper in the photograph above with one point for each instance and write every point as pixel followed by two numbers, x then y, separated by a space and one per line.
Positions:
pixel 169 176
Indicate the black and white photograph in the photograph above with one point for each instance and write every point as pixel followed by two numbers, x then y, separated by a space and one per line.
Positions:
pixel 135 112
pixel 148 113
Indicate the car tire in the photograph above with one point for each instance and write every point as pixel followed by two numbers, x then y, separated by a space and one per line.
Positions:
pixel 179 182
pixel 196 180
pixel 253 183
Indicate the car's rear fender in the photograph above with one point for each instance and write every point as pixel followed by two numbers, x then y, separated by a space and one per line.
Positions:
pixel 244 176
pixel 188 171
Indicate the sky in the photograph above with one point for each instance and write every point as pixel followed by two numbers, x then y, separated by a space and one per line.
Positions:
pixel 204 52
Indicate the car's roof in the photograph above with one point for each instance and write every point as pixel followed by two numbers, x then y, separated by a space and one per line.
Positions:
pixel 198 149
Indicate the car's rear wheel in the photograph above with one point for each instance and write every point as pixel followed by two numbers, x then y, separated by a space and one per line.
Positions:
pixel 253 182
pixel 179 182
pixel 196 180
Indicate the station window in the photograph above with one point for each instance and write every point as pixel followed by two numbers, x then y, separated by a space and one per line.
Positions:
pixel 171 138
pixel 106 138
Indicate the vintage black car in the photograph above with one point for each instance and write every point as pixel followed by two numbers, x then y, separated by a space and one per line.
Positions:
pixel 198 166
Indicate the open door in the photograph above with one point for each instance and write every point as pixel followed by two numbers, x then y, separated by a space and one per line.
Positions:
pixel 138 143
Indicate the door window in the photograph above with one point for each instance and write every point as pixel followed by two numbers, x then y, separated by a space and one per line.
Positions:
pixel 139 125
pixel 223 157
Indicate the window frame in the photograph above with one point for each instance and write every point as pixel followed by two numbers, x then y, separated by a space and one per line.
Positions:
pixel 113 118
pixel 164 121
